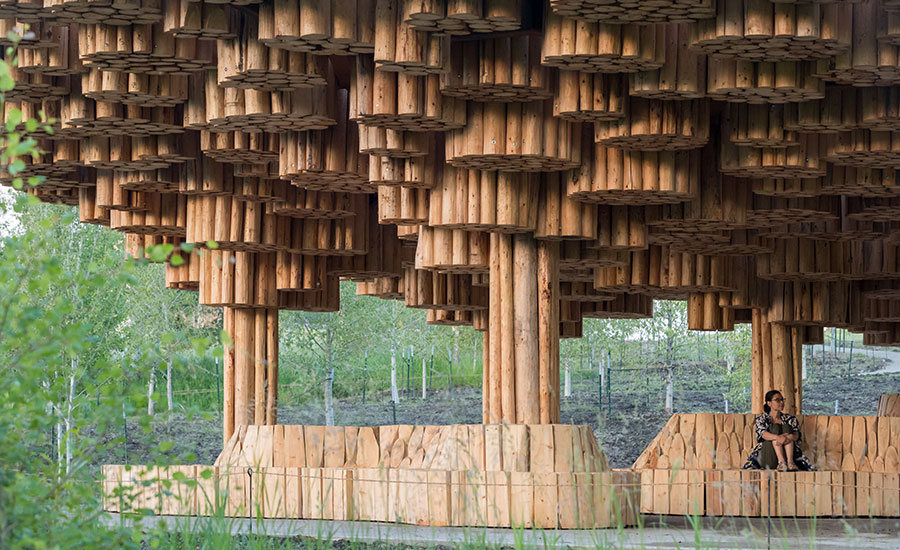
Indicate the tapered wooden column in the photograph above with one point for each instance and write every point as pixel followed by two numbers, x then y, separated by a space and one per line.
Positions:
pixel 250 379
pixel 522 378
pixel 777 362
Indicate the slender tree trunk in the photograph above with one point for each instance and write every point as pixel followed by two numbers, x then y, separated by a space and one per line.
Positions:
pixel 395 395
pixel 69 409
pixel 59 453
pixel 670 389
pixel 475 356
pixel 456 347
pixel 329 398
pixel 151 389
pixel 424 380
pixel 170 395
pixel 329 380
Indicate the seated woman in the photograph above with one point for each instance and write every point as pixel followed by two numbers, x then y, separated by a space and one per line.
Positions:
pixel 777 438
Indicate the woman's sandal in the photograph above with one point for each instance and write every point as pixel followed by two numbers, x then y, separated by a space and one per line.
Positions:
pixel 782 467
pixel 793 468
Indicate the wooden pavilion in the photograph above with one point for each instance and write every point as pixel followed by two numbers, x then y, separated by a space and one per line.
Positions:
pixel 512 165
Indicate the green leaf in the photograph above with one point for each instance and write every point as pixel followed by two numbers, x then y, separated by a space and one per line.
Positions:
pixel 17 183
pixel 212 245
pixel 206 474
pixel 17 166
pixel 226 339
pixel 157 253
pixel 31 125
pixel 166 446
pixel 13 118
pixel 7 83
pixel 176 260
pixel 187 247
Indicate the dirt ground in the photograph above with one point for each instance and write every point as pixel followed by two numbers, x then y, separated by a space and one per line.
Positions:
pixel 634 420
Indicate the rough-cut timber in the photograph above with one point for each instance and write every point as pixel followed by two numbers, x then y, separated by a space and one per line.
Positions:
pixel 511 166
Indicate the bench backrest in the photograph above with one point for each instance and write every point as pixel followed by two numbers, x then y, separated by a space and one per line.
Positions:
pixel 723 441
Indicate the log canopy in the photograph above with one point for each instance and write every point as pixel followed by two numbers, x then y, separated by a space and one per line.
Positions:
pixel 511 166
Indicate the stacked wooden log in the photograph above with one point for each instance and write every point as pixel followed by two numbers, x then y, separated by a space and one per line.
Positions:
pixel 661 271
pixel 864 148
pixel 400 101
pixel 485 201
pixel 211 107
pixel 586 97
pixel 141 49
pixel 501 69
pixel 107 12
pixel 245 62
pixel 682 76
pixel 385 142
pixel 758 125
pixel 628 177
pixel 294 202
pixel 624 11
pixel 621 228
pixel 146 90
pixel 516 137
pixel 653 125
pixel 26 10
pixel 622 306
pixel 461 18
pixel 411 172
pixel 206 19
pixel 452 250
pixel 402 205
pixel 53 52
pixel 399 47
pixel 601 47
pixel 767 31
pixel 326 160
pixel 806 160
pixel 735 80
pixel 869 60
pixel 329 27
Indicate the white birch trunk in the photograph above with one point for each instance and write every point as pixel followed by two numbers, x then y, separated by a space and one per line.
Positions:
pixel 568 387
pixel 59 453
pixel 170 395
pixel 670 390
pixel 151 388
pixel 69 408
pixel 456 348
pixel 395 395
pixel 424 379
pixel 329 399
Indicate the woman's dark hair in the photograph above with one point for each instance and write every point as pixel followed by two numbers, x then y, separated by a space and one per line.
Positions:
pixel 769 395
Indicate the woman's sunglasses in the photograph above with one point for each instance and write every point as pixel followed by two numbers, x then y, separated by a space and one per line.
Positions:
pixel 779 399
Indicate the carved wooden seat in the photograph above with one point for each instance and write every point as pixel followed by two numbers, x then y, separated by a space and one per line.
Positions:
pixel 694 466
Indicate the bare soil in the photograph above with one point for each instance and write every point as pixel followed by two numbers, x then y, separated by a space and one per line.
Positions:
pixel 633 420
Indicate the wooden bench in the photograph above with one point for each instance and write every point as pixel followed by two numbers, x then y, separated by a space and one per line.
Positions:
pixel 545 476
pixel 693 467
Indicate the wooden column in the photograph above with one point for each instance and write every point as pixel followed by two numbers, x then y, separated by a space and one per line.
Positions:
pixel 777 361
pixel 250 374
pixel 522 341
